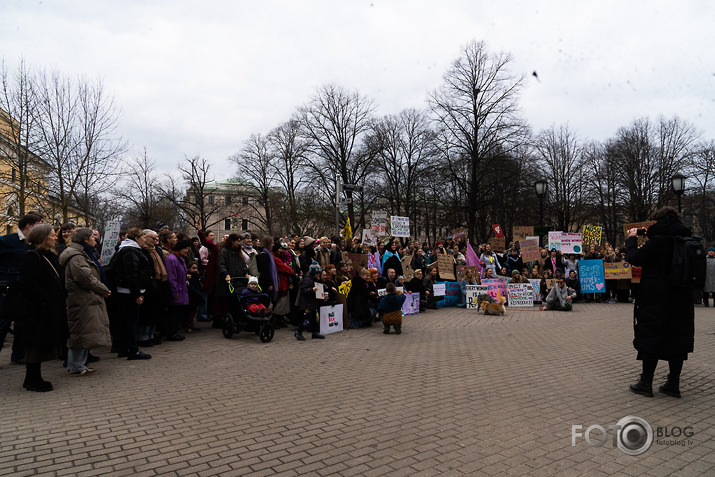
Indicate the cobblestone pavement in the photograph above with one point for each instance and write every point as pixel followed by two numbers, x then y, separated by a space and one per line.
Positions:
pixel 458 393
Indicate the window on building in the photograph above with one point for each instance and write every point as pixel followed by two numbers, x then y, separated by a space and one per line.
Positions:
pixel 211 199
pixel 244 200
pixel 227 224
pixel 227 201
pixel 244 224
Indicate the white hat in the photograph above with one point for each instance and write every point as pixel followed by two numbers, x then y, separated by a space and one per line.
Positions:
pixel 253 280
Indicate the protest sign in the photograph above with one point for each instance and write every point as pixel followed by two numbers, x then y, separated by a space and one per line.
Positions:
pixel 635 274
pixel 379 223
pixel 445 265
pixel 498 232
pixel 111 236
pixel 356 262
pixel 555 240
pixel 320 291
pixel 473 294
pixel 520 294
pixel 530 250
pixel 462 269
pixel 498 244
pixel 331 319
pixel 536 289
pixel 571 243
pixel 373 261
pixel 550 283
pixel 369 238
pixel 407 271
pixel 451 294
pixel 411 306
pixel 458 234
pixel 617 270
pixel 400 226
pixel 381 292
pixel 344 289
pixel 591 276
pixel 591 235
pixel 439 289
pixel 521 232
pixel 496 287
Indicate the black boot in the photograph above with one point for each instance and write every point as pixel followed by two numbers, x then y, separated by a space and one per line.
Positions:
pixel 398 329
pixel 644 386
pixel 671 387
pixel 387 329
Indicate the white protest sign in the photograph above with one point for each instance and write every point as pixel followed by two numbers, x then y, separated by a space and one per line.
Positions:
pixel 319 291
pixel 400 226
pixel 440 289
pixel 472 293
pixel 111 235
pixel 555 240
pixel 331 319
pixel 520 294
pixel 378 224
pixel 368 237
pixel 381 292
pixel 571 243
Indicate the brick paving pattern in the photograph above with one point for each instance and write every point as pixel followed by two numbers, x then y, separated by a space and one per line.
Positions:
pixel 458 393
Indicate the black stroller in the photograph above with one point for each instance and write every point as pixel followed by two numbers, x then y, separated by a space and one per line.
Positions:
pixel 240 319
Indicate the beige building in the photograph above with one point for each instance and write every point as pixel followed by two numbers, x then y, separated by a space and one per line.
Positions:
pixel 233 207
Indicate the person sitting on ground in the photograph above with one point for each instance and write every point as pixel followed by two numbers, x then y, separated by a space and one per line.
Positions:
pixel 400 282
pixel 391 308
pixel 517 278
pixel 252 297
pixel 467 279
pixel 559 298
pixel 428 285
pixel 573 282
pixel 415 286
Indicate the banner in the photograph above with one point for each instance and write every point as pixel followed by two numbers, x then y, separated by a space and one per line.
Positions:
pixel 520 294
pixel 617 270
pixel 463 268
pixel 473 292
pixel 369 238
pixel 400 226
pixel 555 240
pixel 331 319
pixel 571 243
pixel 111 236
pixel 496 287
pixel 521 232
pixel 378 225
pixel 451 294
pixel 445 265
pixel 411 306
pixel 591 276
pixel 407 271
pixel 536 289
pixel 459 233
pixel 498 232
pixel 591 235
pixel 530 250
pixel 498 244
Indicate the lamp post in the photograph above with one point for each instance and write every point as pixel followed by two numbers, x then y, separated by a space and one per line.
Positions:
pixel 540 187
pixel 678 185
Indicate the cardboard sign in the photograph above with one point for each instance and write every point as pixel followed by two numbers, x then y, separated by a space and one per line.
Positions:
pixel 520 294
pixel 111 236
pixel 473 294
pixel 571 243
pixel 550 283
pixel 331 319
pixel 459 233
pixel 521 232
pixel 591 235
pixel 400 226
pixel 555 240
pixel 635 274
pixel 445 265
pixel 617 270
pixel 378 225
pixel 461 270
pixel 439 289
pixel 407 271
pixel 591 276
pixel 356 262
pixel 536 289
pixel 320 293
pixel 530 250
pixel 411 306
pixel 498 244
pixel 451 295
pixel 369 238
pixel 496 287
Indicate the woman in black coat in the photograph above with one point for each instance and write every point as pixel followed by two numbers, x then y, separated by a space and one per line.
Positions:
pixel 43 313
pixel 664 319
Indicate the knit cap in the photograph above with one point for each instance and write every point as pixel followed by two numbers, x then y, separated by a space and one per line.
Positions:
pixel 314 268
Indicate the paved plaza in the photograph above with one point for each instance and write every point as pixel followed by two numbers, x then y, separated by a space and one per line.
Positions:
pixel 458 393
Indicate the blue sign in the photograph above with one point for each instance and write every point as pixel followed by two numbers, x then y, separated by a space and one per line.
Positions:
pixel 592 276
pixel 451 296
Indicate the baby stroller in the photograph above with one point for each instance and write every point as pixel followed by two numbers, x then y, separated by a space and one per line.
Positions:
pixel 240 319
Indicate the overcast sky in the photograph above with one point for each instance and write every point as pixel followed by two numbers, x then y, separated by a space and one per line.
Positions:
pixel 198 77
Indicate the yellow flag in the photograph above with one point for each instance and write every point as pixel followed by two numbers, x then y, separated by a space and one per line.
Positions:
pixel 347 231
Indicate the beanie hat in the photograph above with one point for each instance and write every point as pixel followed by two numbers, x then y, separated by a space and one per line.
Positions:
pixel 314 268
pixel 514 273
pixel 711 248
pixel 308 240
pixel 181 244
pixel 253 280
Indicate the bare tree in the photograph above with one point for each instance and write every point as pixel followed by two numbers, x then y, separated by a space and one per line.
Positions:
pixel 603 186
pixel 143 192
pixel 335 121
pixel 477 109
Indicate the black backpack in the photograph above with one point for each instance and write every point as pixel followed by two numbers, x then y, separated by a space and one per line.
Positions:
pixel 687 270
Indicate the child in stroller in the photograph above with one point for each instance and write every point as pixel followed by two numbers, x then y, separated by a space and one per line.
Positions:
pixel 251 298
pixel 249 311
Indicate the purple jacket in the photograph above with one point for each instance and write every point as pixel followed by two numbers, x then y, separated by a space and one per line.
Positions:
pixel 176 269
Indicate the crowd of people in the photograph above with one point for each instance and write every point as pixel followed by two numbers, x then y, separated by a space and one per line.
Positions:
pixel 158 284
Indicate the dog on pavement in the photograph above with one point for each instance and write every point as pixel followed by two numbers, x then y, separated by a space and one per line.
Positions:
pixel 493 308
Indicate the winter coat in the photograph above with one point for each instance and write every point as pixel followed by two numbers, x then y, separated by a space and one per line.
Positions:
pixel 133 269
pixel 663 318
pixel 229 263
pixel 514 262
pixel 359 299
pixel 308 300
pixel 196 296
pixel 212 266
pixel 391 308
pixel 87 317
pixel 709 286
pixel 176 269
pixel 43 312
pixel 285 274
pixel 391 260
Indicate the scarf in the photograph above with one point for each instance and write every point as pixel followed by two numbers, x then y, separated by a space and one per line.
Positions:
pixel 159 268
pixel 90 253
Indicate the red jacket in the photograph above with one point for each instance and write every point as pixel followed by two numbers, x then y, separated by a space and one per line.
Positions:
pixel 284 274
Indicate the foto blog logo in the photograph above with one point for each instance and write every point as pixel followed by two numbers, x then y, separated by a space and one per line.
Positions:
pixel 632 435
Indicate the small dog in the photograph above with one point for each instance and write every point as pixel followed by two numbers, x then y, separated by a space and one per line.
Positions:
pixel 493 308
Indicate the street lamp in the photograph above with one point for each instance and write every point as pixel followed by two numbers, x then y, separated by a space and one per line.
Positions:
pixel 540 187
pixel 678 185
